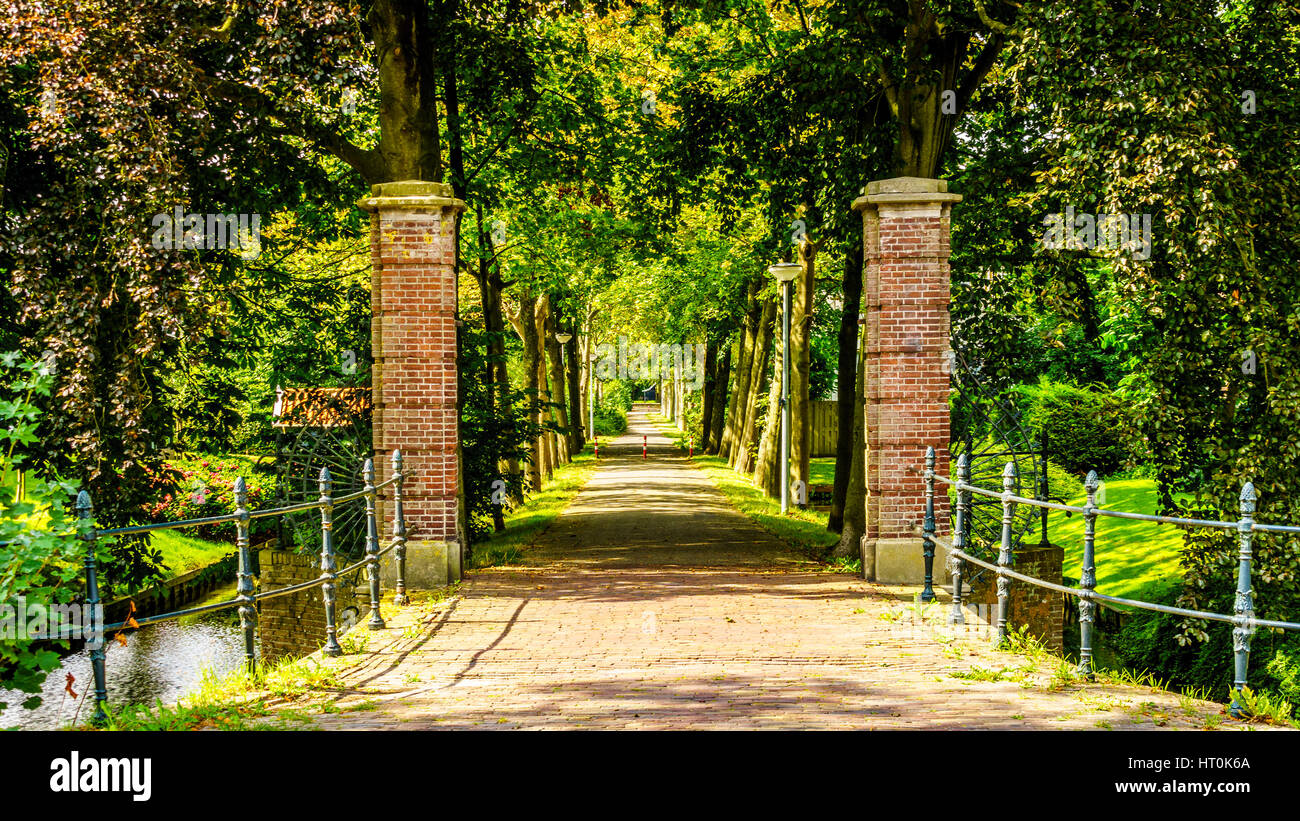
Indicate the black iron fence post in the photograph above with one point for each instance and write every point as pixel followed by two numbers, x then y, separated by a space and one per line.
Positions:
pixel 1088 575
pixel 955 562
pixel 1004 553
pixel 95 623
pixel 1244 608
pixel 927 542
pixel 328 592
pixel 244 584
pixel 399 530
pixel 372 545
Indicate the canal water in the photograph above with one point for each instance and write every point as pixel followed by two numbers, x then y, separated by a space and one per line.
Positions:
pixel 160 661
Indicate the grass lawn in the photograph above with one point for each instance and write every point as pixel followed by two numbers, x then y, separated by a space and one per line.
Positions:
pixel 1134 559
pixel 821 471
pixel 803 529
pixel 526 522
pixel 184 553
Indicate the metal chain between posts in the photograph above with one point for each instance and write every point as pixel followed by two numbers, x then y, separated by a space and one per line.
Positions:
pixel 245 600
pixel 1243 619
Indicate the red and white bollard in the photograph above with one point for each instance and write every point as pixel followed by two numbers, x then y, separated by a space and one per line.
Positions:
pixel 690 450
pixel 643 442
pixel 595 442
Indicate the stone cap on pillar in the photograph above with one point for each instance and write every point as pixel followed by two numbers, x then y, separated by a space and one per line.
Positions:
pixel 905 190
pixel 411 195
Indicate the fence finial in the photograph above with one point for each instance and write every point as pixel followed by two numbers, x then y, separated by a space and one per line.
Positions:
pixel 1247 498
pixel 84 506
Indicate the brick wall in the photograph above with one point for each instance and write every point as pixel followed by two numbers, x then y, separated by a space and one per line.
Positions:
pixel 905 302
pixel 413 338
pixel 1041 609
pixel 294 625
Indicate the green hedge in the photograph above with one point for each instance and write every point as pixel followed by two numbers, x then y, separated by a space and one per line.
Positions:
pixel 1148 641
pixel 197 487
pixel 1084 426
pixel 610 421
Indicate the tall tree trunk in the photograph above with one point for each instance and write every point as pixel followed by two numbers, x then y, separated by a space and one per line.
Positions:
pixel 855 501
pixel 801 318
pixel 740 387
pixel 452 107
pixel 706 398
pixel 526 326
pixel 559 398
pixel 758 369
pixel 719 417
pixel 767 464
pixel 547 438
pixel 577 438
pixel 848 373
pixel 406 52
pixel 498 395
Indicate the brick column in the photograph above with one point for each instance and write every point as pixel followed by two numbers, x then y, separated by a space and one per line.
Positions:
pixel 413 381
pixel 905 300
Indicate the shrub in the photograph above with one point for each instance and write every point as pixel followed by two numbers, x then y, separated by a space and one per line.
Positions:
pixel 1084 426
pixel 197 487
pixel 41 550
pixel 610 421
pixel 1149 641
pixel 616 394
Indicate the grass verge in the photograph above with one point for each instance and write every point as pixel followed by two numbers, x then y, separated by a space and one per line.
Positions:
pixel 528 521
pixel 185 553
pixel 1135 559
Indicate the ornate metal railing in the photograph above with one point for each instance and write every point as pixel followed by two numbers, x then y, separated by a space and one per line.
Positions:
pixel 245 598
pixel 1242 619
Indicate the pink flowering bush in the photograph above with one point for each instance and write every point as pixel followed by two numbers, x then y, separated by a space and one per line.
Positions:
pixel 194 488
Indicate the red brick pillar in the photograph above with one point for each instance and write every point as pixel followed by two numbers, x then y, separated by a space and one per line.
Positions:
pixel 413 381
pixel 905 300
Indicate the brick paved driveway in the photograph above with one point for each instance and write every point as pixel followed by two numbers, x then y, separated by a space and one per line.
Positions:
pixel 652 604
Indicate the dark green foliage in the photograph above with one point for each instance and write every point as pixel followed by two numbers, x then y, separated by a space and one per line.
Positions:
pixel 1150 642
pixel 491 431
pixel 1084 426
pixel 618 395
pixel 610 420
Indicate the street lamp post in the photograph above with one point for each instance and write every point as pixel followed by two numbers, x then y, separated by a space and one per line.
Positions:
pixel 785 272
